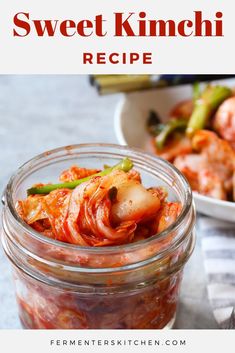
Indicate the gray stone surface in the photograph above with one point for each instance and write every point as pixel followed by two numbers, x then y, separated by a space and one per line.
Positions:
pixel 42 112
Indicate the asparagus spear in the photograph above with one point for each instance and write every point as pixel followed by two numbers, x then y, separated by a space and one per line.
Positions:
pixel 169 127
pixel 205 106
pixel 125 165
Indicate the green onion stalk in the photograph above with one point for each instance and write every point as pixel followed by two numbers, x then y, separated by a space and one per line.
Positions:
pixel 125 165
pixel 171 126
pixel 205 105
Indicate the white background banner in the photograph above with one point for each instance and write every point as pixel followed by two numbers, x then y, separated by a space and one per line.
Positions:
pixel 32 53
pixel 106 341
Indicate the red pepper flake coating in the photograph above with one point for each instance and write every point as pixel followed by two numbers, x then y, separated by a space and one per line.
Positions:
pixel 102 211
pixel 75 173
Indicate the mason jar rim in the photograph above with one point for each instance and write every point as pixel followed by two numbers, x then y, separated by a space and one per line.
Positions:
pixel 187 202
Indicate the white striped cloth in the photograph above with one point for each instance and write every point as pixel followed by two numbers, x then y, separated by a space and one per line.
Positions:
pixel 218 245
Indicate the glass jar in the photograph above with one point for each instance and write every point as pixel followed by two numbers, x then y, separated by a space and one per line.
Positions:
pixel 63 286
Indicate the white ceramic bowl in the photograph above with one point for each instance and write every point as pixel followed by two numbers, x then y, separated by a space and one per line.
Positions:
pixel 130 127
